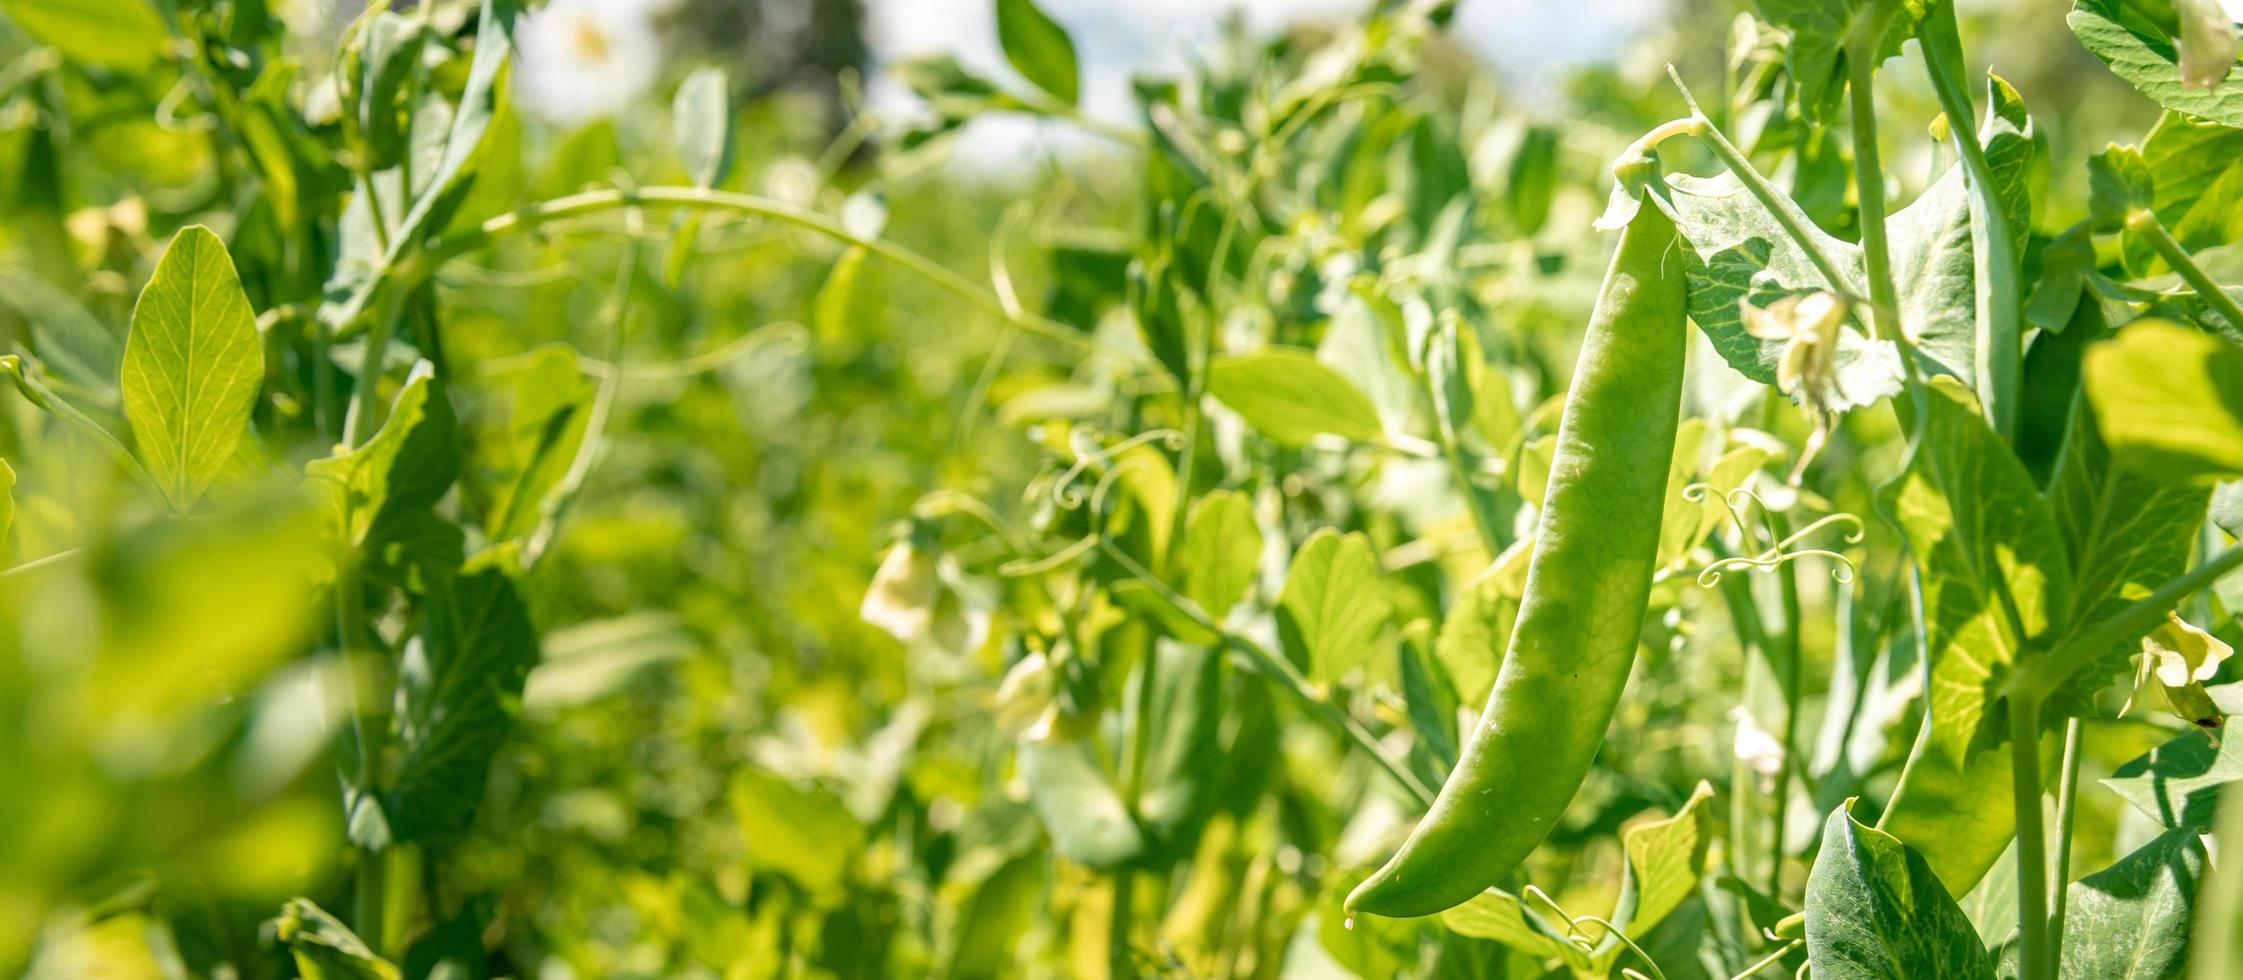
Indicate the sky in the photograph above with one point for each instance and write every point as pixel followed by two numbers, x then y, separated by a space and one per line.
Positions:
pixel 1528 42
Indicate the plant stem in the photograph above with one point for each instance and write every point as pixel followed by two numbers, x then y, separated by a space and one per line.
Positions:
pixel 1869 177
pixel 2134 620
pixel 1283 670
pixel 2067 797
pixel 1778 206
pixel 2032 849
pixel 2145 224
pixel 1787 577
pixel 2000 345
pixel 593 202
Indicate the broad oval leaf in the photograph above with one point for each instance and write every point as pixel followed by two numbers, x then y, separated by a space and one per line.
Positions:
pixel 701 121
pixel 1078 805
pixel 1285 393
pixel 1038 48
pixel 2139 52
pixel 1333 606
pixel 2178 783
pixel 1874 909
pixel 2130 921
pixel 125 34
pixel 2169 401
pixel 1222 551
pixel 193 365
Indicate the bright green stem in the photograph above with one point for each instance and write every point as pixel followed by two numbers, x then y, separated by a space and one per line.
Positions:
pixel 2067 798
pixel 1869 179
pixel 1787 577
pixel 2000 311
pixel 1283 670
pixel 1774 200
pixel 2145 224
pixel 2134 620
pixel 594 202
pixel 2032 847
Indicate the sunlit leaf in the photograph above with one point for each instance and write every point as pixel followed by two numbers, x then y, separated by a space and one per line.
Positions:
pixel 325 948
pixel 1333 606
pixel 1874 909
pixel 1285 393
pixel 2178 783
pixel 1222 551
pixel 192 366
pixel 801 831
pixel 126 34
pixel 1038 48
pixel 2130 921
pixel 701 117
pixel 2140 52
pixel 1078 804
pixel 2169 401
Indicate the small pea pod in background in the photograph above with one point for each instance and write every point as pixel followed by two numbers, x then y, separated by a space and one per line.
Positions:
pixel 1588 584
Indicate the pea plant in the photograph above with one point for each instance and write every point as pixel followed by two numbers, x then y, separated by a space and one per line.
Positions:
pixel 1769 514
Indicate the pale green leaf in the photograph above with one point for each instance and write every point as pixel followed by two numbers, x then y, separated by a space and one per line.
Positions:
pixel 326 949
pixel 193 365
pixel 1994 571
pixel 1077 803
pixel 551 416
pixel 2178 783
pixel 1666 859
pixel 1875 909
pixel 1498 915
pixel 701 121
pixel 1678 523
pixel 1815 54
pixel 2169 401
pixel 2140 52
pixel 407 465
pixel 67 337
pixel 125 34
pixel 2197 168
pixel 1333 606
pixel 1038 48
pixel 801 831
pixel 1959 817
pixel 1286 394
pixel 1222 551
pixel 1477 632
pixel 2118 181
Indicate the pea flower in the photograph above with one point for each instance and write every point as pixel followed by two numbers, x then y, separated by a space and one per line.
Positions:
pixel 582 60
pixel 2179 658
pixel 920 596
pixel 1808 324
pixel 2208 41
pixel 1761 752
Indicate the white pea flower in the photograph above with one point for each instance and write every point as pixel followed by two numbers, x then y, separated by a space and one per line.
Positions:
pixel 2208 40
pixel 1762 753
pixel 582 60
pixel 921 597
pixel 1809 325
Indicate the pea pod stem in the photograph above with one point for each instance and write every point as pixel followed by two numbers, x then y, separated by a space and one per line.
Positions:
pixel 2145 224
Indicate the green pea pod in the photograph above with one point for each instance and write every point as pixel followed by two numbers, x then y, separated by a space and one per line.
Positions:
pixel 1587 587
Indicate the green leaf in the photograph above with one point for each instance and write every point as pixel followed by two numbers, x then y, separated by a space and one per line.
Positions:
pixel 1532 179
pixel 1666 859
pixel 701 121
pixel 2197 168
pixel 955 93
pixel 1038 48
pixel 389 52
pixel 2178 783
pixel 1678 520
pixel 2139 52
pixel 1498 915
pixel 1077 804
pixel 1935 264
pixel 67 337
pixel 407 465
pixel 1994 572
pixel 801 831
pixel 2169 401
pixel 324 948
pixel 1959 817
pixel 990 923
pixel 193 366
pixel 459 685
pixel 1184 759
pixel 123 34
pixel 1333 606
pixel 1477 631
pixel 551 416
pixel 1738 252
pixel 1874 909
pixel 2130 921
pixel 1222 552
pixel 2127 534
pixel 2118 181
pixel 1816 53
pixel 1286 394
